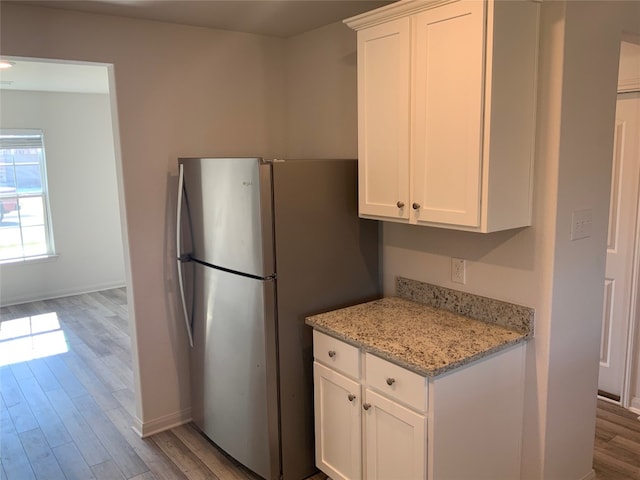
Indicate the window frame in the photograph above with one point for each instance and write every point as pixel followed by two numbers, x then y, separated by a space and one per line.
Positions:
pixel 43 194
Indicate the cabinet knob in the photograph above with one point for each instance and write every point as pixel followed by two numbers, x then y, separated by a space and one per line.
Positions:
pixel 416 206
pixel 351 397
pixel 400 204
pixel 332 353
pixel 391 381
pixel 366 406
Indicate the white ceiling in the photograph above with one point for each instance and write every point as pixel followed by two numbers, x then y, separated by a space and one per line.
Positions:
pixel 27 74
pixel 281 18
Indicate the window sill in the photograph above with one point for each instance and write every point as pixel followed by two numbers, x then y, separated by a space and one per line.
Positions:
pixel 42 259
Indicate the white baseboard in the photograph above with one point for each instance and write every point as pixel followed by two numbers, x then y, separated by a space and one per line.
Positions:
pixel 635 405
pixel 37 296
pixel 589 476
pixel 146 429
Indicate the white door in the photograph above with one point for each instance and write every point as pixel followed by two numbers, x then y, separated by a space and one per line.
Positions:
pixel 620 246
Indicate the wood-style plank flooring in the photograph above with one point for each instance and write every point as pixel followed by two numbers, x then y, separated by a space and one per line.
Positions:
pixel 67 414
pixel 616 454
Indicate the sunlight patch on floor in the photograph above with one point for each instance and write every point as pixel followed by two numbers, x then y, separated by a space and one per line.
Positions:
pixel 26 338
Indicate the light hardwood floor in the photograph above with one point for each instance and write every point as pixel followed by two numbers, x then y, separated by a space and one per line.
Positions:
pixel 616 454
pixel 68 415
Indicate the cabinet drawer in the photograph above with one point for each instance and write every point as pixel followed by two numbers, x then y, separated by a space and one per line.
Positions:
pixel 336 354
pixel 396 382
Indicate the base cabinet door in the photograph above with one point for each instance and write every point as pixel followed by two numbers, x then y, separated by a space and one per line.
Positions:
pixel 338 424
pixel 395 440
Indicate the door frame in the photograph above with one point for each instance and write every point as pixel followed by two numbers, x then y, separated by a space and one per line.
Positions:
pixel 632 348
pixel 632 321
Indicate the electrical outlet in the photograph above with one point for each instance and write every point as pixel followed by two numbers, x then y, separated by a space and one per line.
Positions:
pixel 458 270
pixel 581 222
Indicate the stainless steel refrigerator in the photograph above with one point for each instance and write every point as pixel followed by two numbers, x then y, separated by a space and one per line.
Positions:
pixel 261 245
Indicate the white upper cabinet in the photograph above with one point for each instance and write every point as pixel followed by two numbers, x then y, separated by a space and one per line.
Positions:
pixel 446 112
pixel 384 110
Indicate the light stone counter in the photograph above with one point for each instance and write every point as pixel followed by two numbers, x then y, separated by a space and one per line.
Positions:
pixel 429 341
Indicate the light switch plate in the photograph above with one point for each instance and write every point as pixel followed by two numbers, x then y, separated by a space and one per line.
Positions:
pixel 581 223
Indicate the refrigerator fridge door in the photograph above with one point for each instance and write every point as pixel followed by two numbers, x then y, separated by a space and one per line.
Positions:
pixel 233 367
pixel 228 204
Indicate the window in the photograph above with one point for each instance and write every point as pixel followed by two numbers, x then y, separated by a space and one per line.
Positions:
pixel 25 225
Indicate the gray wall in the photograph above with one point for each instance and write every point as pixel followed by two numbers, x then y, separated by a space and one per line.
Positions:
pixel 538 266
pixel 180 91
pixel 321 86
pixel 227 98
pixel 81 172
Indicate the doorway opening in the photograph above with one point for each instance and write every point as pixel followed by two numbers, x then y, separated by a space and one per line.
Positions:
pixel 73 105
pixel 619 375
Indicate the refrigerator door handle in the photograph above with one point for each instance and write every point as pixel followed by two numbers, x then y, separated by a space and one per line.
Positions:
pixel 180 256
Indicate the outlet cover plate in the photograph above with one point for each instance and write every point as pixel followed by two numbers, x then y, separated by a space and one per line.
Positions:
pixel 458 271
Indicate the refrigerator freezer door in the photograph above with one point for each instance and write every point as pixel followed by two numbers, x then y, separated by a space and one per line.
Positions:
pixel 228 205
pixel 233 376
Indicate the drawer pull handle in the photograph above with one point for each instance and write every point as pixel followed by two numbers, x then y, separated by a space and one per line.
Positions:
pixel 416 206
pixel 400 204
pixel 332 353
pixel 366 406
pixel 391 381
pixel 351 397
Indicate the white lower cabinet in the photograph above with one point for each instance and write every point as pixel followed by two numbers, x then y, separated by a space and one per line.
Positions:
pixel 380 436
pixel 338 424
pixel 395 440
pixel 375 420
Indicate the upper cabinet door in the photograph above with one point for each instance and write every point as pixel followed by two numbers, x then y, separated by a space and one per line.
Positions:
pixel 383 119
pixel 447 128
pixel 446 107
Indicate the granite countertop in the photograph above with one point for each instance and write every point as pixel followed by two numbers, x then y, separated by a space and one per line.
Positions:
pixel 426 340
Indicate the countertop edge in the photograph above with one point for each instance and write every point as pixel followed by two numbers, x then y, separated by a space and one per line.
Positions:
pixel 413 367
